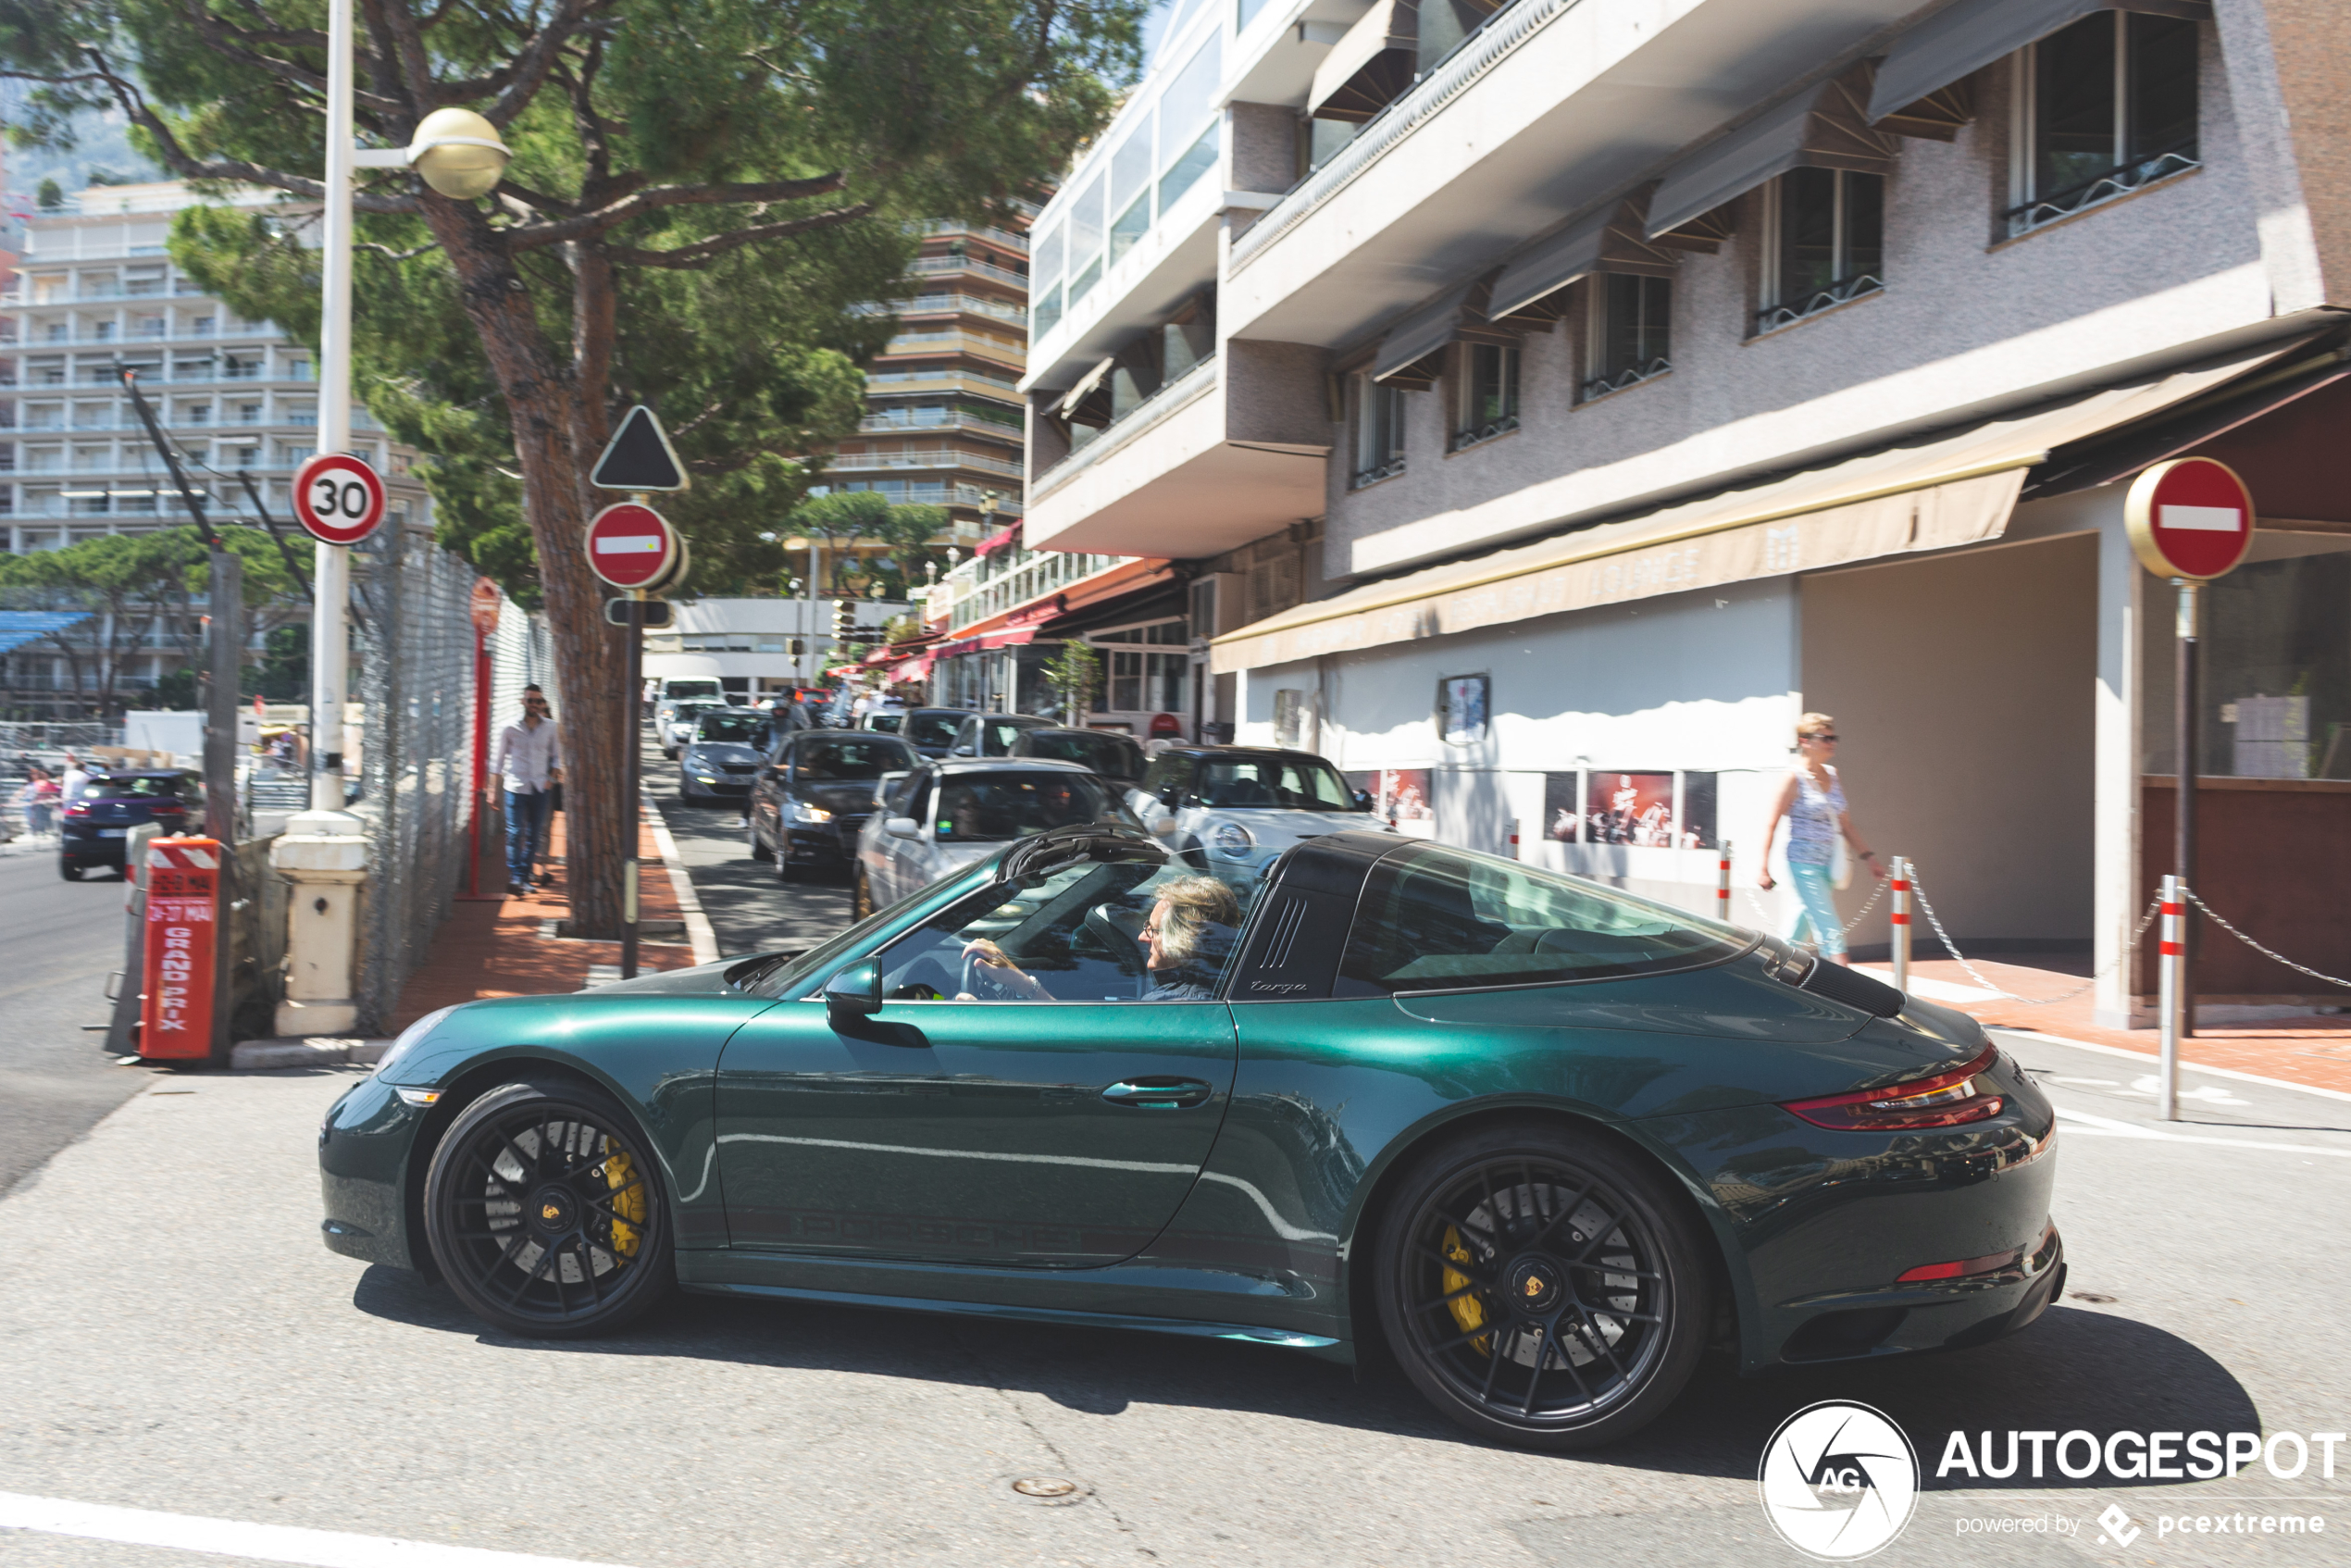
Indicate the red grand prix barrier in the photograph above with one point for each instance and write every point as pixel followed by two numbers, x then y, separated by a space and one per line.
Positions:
pixel 183 909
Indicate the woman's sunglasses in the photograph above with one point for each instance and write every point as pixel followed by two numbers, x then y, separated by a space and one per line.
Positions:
pixel 1830 737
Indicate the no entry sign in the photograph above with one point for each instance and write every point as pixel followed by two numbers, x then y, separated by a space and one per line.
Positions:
pixel 2190 517
pixel 338 498
pixel 631 546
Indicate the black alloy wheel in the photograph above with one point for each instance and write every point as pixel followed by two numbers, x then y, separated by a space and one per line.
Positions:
pixel 1542 1288
pixel 751 840
pixel 544 1210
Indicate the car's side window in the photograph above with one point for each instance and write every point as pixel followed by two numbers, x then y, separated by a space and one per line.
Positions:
pixel 1084 933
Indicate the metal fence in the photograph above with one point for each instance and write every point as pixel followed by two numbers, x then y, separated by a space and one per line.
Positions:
pixel 414 684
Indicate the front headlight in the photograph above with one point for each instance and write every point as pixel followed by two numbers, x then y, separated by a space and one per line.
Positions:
pixel 803 812
pixel 1234 839
pixel 410 1035
pixel 707 777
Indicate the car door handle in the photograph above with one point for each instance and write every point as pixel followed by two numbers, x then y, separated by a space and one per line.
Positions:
pixel 1159 1094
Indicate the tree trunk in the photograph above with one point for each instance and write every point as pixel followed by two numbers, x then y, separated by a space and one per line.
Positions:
pixel 598 719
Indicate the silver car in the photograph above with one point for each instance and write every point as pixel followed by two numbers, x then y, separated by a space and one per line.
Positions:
pixel 945 814
pixel 1232 810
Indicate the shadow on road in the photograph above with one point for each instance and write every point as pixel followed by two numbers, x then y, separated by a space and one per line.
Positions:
pixel 2072 1370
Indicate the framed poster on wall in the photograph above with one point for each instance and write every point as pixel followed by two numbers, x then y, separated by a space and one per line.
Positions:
pixel 1562 806
pixel 1399 797
pixel 1647 810
pixel 1463 708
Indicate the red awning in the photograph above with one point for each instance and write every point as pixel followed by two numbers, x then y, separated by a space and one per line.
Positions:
pixel 1015 638
pixel 1002 539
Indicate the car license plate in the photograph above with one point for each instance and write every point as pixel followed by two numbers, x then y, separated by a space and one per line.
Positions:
pixel 113 832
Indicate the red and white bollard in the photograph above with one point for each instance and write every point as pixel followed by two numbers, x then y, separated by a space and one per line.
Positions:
pixel 2171 996
pixel 1898 921
pixel 1722 884
pixel 1515 855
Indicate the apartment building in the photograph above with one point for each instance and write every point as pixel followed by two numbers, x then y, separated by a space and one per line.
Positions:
pixel 1550 401
pixel 95 293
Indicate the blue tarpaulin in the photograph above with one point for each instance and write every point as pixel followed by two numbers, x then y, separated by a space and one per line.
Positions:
pixel 20 627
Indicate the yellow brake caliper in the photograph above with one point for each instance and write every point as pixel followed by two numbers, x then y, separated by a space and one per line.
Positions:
pixel 619 1172
pixel 1467 1310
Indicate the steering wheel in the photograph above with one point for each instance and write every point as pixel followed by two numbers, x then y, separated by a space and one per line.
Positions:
pixel 1125 949
pixel 979 982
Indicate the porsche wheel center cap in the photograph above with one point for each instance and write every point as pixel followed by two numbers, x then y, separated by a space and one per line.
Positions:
pixel 1534 1285
pixel 551 1210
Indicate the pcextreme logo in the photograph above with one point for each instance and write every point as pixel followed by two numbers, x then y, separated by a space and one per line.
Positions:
pixel 1838 1481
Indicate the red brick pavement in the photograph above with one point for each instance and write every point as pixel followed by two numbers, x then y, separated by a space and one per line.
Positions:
pixel 2312 1049
pixel 500 948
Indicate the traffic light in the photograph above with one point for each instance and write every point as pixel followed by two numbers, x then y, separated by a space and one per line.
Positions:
pixel 798 647
pixel 844 620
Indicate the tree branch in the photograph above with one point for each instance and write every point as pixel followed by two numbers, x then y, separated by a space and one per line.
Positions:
pixel 703 251
pixel 586 225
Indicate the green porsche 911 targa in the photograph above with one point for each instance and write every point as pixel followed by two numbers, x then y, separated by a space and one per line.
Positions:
pixel 1544 1139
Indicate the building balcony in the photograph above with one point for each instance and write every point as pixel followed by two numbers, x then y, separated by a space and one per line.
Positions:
pixel 1002 350
pixel 1226 453
pixel 887 419
pixel 948 266
pixel 943 379
pixel 923 458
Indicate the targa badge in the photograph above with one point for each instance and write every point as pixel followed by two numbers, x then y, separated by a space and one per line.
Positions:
pixel 1838 1480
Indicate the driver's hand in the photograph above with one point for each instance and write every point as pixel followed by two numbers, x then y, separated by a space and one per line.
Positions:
pixel 1013 977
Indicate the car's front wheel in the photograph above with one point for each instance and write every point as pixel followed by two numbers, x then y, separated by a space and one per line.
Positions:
pixel 783 856
pixel 544 1210
pixel 1542 1288
pixel 752 842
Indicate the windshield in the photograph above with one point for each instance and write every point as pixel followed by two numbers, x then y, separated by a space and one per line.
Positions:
pixel 1108 754
pixel 991 807
pixel 832 761
pixel 1296 784
pixel 933 729
pixel 677 689
pixel 132 789
pixel 685 713
pixel 1435 918
pixel 741 728
pixel 886 724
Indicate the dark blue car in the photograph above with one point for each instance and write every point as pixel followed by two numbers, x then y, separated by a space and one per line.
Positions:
pixel 94 826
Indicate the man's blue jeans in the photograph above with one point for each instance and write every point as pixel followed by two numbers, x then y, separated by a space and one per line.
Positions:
pixel 526 832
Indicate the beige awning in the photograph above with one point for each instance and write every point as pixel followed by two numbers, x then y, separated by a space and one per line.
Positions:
pixel 1368 67
pixel 1948 490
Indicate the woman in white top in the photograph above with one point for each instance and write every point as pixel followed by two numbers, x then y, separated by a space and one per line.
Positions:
pixel 1813 802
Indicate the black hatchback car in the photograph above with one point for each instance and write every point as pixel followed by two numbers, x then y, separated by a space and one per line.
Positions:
pixel 814 795
pixel 93 828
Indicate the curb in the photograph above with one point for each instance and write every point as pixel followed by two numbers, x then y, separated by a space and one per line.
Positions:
pixel 274 1055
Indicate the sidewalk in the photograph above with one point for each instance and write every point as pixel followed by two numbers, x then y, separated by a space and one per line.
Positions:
pixel 509 948
pixel 2314 1050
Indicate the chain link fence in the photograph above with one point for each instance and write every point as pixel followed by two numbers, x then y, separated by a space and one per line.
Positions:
pixel 415 682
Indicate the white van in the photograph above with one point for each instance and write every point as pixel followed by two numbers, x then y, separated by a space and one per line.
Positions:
pixel 684 689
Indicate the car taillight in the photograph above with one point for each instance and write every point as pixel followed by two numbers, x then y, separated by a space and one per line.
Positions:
pixel 78 809
pixel 1945 1101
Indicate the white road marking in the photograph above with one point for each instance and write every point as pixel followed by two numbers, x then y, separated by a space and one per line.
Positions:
pixel 2143 1057
pixel 2108 1126
pixel 259 1543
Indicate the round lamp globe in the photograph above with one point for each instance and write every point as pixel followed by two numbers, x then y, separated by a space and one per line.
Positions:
pixel 459 154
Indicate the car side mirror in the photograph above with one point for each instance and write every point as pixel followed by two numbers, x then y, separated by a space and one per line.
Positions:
pixel 902 828
pixel 1364 800
pixel 854 992
pixel 959 751
pixel 1169 796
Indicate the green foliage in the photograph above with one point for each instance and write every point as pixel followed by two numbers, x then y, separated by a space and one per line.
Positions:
pixel 1075 674
pixel 48 198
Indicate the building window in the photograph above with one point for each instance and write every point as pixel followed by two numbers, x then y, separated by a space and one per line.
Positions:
pixel 1379 431
pixel 1631 338
pixel 2104 108
pixel 1824 242
pixel 1489 393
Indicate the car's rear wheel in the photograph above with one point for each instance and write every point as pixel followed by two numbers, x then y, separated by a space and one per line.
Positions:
pixel 751 840
pixel 1540 1288
pixel 544 1210
pixel 70 871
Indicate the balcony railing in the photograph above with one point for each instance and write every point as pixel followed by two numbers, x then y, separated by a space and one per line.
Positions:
pixel 2122 181
pixel 922 457
pixel 943 379
pixel 938 419
pixel 946 266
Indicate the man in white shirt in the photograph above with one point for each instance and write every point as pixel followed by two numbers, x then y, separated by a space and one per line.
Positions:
pixel 73 782
pixel 530 761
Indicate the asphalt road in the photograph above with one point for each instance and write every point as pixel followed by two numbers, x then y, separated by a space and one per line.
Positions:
pixel 58 942
pixel 749 909
pixel 183 1344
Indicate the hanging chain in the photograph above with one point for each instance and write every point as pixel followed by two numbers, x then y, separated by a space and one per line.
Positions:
pixel 1765 910
pixel 1976 975
pixel 2297 968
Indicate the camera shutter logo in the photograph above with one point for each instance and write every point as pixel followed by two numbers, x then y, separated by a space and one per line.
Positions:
pixel 1838 1480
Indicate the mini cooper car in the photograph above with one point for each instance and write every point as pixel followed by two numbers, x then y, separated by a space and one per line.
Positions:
pixel 1232 810
pixel 813 799
pixel 91 831
pixel 722 755
pixel 940 817
pixel 1543 1141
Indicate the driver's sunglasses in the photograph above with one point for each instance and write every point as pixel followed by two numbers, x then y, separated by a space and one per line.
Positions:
pixel 1827 738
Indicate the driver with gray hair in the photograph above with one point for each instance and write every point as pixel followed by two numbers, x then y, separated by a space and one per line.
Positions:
pixel 1186 938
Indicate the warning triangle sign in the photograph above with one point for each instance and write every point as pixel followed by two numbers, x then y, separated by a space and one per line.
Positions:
pixel 640 456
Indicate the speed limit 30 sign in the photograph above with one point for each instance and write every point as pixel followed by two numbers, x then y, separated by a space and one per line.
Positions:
pixel 338 498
